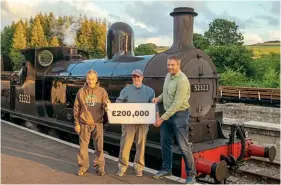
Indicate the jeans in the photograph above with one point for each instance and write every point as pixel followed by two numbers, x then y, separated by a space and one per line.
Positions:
pixel 178 125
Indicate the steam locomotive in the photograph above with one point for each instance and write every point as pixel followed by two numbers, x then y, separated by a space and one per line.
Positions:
pixel 43 93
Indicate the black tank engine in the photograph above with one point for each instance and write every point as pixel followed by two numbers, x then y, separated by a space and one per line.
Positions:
pixel 43 92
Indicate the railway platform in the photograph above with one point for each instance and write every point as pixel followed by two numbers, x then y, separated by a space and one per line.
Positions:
pixel 29 157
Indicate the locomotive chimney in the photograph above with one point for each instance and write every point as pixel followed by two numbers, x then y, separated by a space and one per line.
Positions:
pixel 73 51
pixel 183 29
pixel 72 54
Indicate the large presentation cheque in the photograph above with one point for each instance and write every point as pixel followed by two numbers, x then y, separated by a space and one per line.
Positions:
pixel 131 113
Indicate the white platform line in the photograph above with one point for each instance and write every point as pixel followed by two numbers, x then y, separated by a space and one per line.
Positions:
pixel 174 178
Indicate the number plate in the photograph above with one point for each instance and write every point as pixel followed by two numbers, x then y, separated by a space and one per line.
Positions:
pixel 131 113
pixel 200 87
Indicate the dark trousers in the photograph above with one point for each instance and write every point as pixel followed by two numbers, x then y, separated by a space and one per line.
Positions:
pixel 178 125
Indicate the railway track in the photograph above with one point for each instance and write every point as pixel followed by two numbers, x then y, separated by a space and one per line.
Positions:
pixel 257 171
pixel 269 96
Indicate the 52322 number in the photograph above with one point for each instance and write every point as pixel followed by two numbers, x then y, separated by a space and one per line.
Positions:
pixel 23 98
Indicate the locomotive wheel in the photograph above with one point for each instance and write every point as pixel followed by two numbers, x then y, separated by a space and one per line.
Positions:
pixel 53 133
pixel 6 117
pixel 2 115
pixel 31 126
pixel 66 115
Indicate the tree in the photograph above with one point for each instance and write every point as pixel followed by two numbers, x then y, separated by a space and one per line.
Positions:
pixel 54 42
pixel 235 57
pixel 7 39
pixel 27 31
pixel 19 38
pixel 152 45
pixel 18 42
pixel 145 49
pixel 84 37
pixel 51 24
pixel 224 32
pixel 37 35
pixel 98 38
pixel 200 42
pixel 17 58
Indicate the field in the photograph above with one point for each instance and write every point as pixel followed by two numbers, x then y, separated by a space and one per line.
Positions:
pixel 160 49
pixel 264 49
pixel 258 49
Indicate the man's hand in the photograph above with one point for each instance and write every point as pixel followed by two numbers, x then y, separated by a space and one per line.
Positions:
pixel 77 129
pixel 155 100
pixel 158 122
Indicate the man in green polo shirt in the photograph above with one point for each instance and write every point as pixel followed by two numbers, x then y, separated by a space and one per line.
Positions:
pixel 175 97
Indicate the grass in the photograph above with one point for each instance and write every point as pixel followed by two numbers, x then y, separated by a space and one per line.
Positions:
pixel 264 49
pixel 160 49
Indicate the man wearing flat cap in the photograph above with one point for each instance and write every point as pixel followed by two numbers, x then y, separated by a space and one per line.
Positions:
pixel 135 93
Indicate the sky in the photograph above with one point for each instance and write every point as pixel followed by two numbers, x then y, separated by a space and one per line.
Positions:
pixel 258 21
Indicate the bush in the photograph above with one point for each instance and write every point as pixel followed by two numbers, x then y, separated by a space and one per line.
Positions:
pixel 231 77
pixel 200 42
pixel 17 59
pixel 262 64
pixel 234 57
pixel 145 49
pixel 271 78
pixel 266 71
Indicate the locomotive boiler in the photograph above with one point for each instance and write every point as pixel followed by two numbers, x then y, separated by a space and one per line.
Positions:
pixel 43 92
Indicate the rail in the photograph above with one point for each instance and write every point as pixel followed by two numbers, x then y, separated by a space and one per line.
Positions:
pixel 261 170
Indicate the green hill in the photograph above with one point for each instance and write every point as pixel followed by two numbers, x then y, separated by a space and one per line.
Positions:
pixel 265 48
pixel 160 49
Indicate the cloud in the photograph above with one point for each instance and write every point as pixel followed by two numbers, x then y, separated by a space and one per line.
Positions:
pixel 161 41
pixel 153 18
pixel 14 10
pixel 252 38
pixel 151 21
pixel 114 17
pixel 156 20
pixel 239 22
pixel 271 20
pixel 274 35
pixel 275 9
